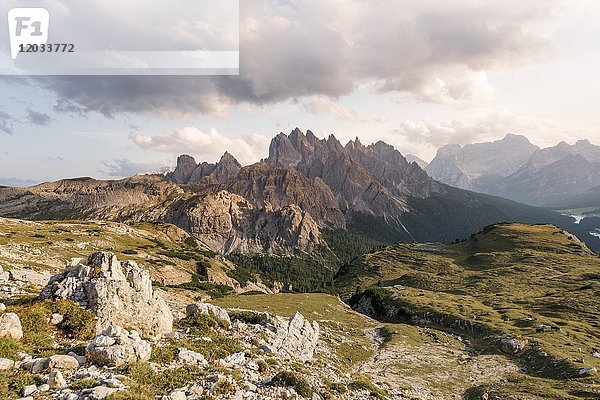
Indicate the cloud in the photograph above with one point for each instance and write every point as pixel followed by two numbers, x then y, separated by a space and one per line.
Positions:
pixel 321 105
pixel 38 118
pixel 426 136
pixel 7 123
pixel 120 168
pixel 208 146
pixel 291 50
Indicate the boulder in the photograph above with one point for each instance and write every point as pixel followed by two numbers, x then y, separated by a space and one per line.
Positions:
pixel 120 294
pixel 62 362
pixel 122 348
pixel 512 345
pixel 208 309
pixel 189 357
pixel 295 337
pixel 56 380
pixel 10 326
pixel 588 371
pixel 6 363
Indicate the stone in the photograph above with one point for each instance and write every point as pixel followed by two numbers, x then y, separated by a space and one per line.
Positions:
pixel 588 371
pixel 56 380
pixel 5 364
pixel 2 307
pixel 512 345
pixel 235 359
pixel 10 326
pixel 80 359
pixel 189 357
pixel 119 293
pixel 28 390
pixel 113 383
pixel 208 309
pixel 43 388
pixel 177 394
pixel 295 337
pixel 36 365
pixel 56 319
pixel 101 392
pixel 63 362
pixel 596 354
pixel 127 348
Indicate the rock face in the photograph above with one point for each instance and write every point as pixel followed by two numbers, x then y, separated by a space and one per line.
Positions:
pixel 117 347
pixel 10 326
pixel 229 223
pixel 208 309
pixel 294 337
pixel 516 169
pixel 119 293
pixel 512 345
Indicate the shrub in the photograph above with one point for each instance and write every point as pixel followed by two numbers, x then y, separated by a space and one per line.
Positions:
pixel 290 379
pixel 362 384
pixel 248 317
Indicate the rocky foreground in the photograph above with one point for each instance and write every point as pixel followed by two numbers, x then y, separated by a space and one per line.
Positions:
pixel 98 330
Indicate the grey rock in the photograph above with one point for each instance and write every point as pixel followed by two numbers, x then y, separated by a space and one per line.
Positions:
pixel 512 345
pixel 294 337
pixel 208 309
pixel 6 363
pixel 56 380
pixel 10 326
pixel 28 390
pixel 189 357
pixel 120 294
pixel 127 348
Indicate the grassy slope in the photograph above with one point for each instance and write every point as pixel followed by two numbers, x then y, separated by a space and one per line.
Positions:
pixel 495 282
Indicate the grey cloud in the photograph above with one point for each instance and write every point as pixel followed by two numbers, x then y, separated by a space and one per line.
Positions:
pixel 7 123
pixel 120 168
pixel 38 118
pixel 432 51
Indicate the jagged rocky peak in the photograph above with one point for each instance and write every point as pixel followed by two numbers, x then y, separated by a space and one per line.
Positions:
pixel 188 171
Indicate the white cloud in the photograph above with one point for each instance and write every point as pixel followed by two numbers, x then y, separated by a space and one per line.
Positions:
pixel 206 146
pixel 424 137
pixel 322 105
pixel 425 50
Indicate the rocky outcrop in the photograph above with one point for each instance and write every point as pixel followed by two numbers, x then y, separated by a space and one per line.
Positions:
pixel 208 309
pixel 189 172
pixel 229 223
pixel 293 337
pixel 512 345
pixel 10 326
pixel 117 347
pixel 120 294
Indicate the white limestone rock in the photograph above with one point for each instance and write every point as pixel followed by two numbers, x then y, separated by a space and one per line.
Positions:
pixel 120 294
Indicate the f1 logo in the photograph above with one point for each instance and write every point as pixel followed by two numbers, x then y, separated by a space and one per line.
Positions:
pixel 27 26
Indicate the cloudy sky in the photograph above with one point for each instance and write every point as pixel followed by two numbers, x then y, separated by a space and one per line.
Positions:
pixel 417 74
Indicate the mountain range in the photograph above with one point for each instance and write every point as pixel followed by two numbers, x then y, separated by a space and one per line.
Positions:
pixel 514 168
pixel 305 186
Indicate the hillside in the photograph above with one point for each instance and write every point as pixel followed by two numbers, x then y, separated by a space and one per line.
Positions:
pixel 532 282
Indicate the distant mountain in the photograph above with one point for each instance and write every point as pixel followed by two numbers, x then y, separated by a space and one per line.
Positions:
pixel 414 159
pixel 306 186
pixel 516 169
pixel 478 165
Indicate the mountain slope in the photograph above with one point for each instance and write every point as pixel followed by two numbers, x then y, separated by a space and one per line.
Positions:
pixel 516 169
pixel 510 279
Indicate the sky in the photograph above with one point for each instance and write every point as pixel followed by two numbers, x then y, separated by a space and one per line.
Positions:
pixel 415 74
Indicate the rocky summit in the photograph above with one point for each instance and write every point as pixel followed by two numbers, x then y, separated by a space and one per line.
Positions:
pixel 119 293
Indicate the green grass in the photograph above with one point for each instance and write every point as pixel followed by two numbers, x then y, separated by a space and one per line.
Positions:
pixel 510 278
pixel 293 380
